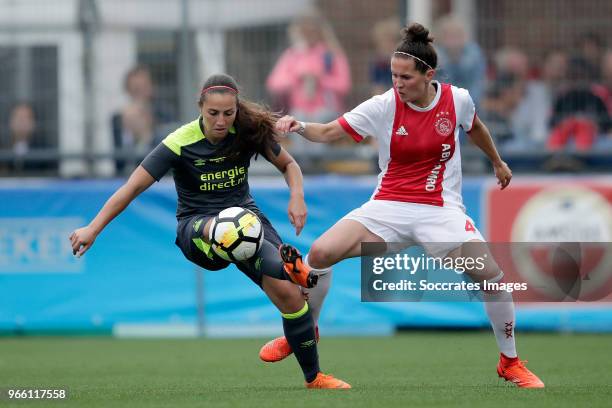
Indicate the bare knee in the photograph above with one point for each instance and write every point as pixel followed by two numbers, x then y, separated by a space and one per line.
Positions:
pixel 491 274
pixel 320 256
pixel 485 268
pixel 206 230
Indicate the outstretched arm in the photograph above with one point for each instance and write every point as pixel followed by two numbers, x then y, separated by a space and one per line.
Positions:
pixel 481 137
pixel 287 165
pixel 83 238
pixel 315 132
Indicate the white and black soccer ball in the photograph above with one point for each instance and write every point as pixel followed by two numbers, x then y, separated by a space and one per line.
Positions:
pixel 236 234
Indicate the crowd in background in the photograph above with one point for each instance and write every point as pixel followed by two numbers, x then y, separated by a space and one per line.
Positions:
pixel 562 102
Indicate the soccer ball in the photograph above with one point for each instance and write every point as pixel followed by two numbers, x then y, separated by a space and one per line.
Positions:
pixel 236 234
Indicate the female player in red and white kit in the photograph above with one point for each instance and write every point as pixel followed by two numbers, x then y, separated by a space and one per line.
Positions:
pixel 418 196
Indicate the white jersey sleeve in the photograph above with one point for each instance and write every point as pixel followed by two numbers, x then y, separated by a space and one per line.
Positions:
pixel 370 118
pixel 465 108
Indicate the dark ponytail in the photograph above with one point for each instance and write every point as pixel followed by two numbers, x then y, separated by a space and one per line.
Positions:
pixel 254 123
pixel 416 41
pixel 255 129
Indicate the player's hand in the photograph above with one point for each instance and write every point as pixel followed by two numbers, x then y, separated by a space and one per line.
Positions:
pixel 297 213
pixel 503 174
pixel 81 240
pixel 287 124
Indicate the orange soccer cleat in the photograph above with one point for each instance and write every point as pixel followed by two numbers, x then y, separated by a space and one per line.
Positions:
pixel 300 273
pixel 278 349
pixel 514 370
pixel 275 350
pixel 327 381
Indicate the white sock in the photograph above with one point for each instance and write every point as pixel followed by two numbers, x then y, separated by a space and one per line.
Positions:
pixel 317 295
pixel 500 309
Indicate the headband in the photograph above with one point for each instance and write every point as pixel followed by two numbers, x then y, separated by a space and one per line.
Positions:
pixel 219 87
pixel 415 57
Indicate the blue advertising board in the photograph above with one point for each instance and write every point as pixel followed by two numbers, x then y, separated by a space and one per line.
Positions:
pixel 135 277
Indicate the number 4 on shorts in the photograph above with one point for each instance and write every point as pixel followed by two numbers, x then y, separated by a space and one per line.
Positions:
pixel 469 227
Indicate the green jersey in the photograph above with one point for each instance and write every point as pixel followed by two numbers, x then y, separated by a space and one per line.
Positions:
pixel 206 182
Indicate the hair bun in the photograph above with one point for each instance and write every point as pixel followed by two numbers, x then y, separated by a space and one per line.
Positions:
pixel 416 33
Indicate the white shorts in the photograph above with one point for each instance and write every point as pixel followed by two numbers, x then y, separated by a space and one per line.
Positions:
pixel 438 229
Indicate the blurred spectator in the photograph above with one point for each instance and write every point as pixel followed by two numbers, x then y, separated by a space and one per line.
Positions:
pixel 531 119
pixel 501 98
pixel 139 86
pixel 138 129
pixel 386 35
pixel 592 47
pixel 22 128
pixel 312 75
pixel 578 113
pixel 512 60
pixel 604 88
pixel 141 91
pixel 461 61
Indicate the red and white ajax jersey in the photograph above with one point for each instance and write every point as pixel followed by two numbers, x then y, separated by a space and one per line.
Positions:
pixel 418 148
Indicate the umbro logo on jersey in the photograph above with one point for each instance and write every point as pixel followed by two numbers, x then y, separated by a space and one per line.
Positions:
pixel 401 131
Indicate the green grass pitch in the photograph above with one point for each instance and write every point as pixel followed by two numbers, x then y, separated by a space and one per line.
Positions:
pixel 408 370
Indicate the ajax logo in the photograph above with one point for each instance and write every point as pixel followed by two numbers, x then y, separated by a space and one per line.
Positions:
pixel 443 124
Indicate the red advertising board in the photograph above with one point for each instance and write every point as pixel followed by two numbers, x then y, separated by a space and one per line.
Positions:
pixel 574 213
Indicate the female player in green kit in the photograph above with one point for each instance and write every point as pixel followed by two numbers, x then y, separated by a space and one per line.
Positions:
pixel 210 158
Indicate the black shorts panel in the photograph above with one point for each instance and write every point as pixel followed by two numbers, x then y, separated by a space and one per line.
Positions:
pixel 186 232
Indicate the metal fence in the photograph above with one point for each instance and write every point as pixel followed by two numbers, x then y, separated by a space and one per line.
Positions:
pixel 74 73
